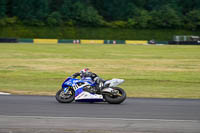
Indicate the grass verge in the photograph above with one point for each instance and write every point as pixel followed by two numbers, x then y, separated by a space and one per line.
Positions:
pixel 149 71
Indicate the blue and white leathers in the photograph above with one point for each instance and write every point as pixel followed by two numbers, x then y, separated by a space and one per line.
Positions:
pixel 80 94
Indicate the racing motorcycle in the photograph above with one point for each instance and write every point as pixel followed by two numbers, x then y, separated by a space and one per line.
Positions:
pixel 85 91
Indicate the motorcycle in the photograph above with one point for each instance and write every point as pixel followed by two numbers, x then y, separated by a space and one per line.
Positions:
pixel 85 91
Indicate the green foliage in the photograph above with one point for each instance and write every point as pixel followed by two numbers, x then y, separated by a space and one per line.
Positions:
pixel 34 22
pixel 118 24
pixel 113 10
pixel 151 14
pixel 86 15
pixel 166 18
pixel 31 12
pixel 23 9
pixel 91 16
pixel 69 23
pixel 41 9
pixel 54 19
pixel 8 21
pixel 11 21
pixel 65 10
pixel 193 19
pixel 2 8
pixel 141 20
pixel 105 33
pixel 131 23
pixel 2 22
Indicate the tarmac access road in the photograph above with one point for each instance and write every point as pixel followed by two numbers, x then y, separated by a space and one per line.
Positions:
pixel 43 114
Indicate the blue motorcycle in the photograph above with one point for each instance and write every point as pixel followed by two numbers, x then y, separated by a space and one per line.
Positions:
pixel 85 91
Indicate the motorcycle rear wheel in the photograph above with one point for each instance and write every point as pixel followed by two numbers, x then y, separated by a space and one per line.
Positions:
pixel 61 97
pixel 116 99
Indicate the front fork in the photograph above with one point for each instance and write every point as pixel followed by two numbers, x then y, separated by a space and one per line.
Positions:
pixel 66 90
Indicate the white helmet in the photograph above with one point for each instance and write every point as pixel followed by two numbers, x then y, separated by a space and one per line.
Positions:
pixel 84 71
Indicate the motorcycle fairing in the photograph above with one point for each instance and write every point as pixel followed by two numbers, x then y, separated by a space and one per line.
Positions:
pixel 80 94
pixel 88 97
pixel 114 82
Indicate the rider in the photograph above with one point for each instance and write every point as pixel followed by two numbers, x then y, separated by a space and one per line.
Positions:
pixel 86 74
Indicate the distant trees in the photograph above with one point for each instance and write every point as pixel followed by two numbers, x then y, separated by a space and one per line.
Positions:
pixel 166 17
pixel 66 10
pixel 141 19
pixel 30 11
pixel 2 8
pixel 54 19
pixel 193 19
pixel 23 9
pixel 170 14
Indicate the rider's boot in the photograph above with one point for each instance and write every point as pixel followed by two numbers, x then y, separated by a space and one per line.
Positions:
pixel 99 88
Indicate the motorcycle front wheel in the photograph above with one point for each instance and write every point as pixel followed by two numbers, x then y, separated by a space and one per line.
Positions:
pixel 63 97
pixel 116 99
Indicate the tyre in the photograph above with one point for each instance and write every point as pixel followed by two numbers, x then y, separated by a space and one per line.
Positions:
pixel 61 97
pixel 116 99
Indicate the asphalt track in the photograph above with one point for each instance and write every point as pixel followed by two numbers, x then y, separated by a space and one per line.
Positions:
pixel 21 114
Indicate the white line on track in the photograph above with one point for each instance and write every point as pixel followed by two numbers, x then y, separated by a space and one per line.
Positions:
pixel 3 93
pixel 94 118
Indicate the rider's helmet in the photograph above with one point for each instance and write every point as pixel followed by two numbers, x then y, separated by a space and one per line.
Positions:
pixel 84 72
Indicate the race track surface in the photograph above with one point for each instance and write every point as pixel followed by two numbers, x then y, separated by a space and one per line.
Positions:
pixel 136 115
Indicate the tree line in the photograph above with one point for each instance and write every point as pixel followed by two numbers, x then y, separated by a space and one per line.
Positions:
pixel 141 14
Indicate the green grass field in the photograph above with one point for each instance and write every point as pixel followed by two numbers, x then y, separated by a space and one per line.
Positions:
pixel 149 71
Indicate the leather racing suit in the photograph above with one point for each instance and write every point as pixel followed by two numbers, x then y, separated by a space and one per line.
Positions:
pixel 91 76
